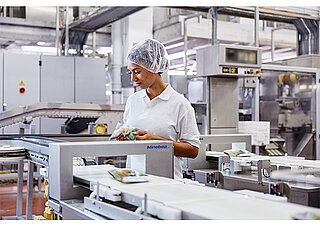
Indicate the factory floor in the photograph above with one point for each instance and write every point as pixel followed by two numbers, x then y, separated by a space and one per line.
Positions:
pixel 8 200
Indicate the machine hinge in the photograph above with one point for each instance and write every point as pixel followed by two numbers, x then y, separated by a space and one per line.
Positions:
pixel 40 63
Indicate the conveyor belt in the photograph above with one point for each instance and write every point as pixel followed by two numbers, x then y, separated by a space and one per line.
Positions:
pixel 195 202
pixel 56 110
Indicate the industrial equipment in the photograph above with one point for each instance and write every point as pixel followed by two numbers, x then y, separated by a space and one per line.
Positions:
pixel 57 157
pixel 108 115
pixel 252 172
pixel 288 99
pixel 223 65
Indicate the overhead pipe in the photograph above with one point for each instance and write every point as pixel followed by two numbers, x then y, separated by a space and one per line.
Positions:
pixel 309 36
pixel 214 22
pixel 185 38
pixel 116 61
pixel 318 35
pixel 57 30
pixel 94 43
pixel 66 40
pixel 256 23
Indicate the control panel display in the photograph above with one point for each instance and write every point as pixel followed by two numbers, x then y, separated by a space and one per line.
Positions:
pixel 241 56
pixel 232 70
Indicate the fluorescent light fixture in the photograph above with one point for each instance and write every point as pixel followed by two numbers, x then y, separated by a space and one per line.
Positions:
pixel 179 73
pixel 302 87
pixel 104 50
pixel 174 45
pixel 41 43
pixel 39 49
pixel 180 54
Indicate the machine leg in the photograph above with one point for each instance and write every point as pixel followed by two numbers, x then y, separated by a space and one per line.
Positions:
pixel 19 189
pixel 29 190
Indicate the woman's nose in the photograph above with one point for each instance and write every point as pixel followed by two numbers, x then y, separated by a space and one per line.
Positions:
pixel 133 77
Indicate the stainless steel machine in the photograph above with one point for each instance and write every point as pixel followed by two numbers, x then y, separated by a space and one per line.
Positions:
pixel 57 158
pixel 90 192
pixel 259 173
pixel 289 99
pixel 223 65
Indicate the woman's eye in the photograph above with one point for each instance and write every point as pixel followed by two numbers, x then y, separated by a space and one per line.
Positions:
pixel 136 72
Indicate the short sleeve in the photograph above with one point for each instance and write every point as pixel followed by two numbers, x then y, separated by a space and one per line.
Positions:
pixel 126 112
pixel 188 128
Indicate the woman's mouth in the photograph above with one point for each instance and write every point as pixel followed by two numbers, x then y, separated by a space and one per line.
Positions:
pixel 137 84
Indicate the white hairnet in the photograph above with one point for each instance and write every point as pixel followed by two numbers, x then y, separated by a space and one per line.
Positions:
pixel 149 54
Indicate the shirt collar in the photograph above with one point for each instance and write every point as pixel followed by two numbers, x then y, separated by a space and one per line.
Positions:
pixel 165 95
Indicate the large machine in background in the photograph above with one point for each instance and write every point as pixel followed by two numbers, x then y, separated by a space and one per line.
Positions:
pixel 288 99
pixel 26 79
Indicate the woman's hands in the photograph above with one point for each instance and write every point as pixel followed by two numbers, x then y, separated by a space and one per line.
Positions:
pixel 141 135
pixel 144 135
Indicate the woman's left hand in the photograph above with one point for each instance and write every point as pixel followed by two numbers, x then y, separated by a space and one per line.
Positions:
pixel 144 135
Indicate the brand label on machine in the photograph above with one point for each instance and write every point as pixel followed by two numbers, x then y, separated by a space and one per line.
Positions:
pixel 157 146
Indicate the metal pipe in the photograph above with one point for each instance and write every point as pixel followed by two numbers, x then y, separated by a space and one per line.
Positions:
pixel 94 43
pixel 214 23
pixel 309 39
pixel 318 22
pixel 66 41
pixel 57 30
pixel 116 61
pixel 256 20
pixel 185 38
pixel 317 116
pixel 4 11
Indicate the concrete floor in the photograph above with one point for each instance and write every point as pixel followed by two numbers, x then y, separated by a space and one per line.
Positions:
pixel 8 200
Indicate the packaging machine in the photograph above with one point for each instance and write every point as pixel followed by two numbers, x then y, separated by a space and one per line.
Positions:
pixel 258 173
pixel 90 192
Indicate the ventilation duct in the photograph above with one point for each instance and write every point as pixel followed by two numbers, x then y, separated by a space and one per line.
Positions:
pixel 307 36
pixel 79 30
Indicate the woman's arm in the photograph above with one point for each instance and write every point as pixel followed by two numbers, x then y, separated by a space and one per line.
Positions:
pixel 181 149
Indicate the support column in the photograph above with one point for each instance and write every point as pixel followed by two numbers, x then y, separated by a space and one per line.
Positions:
pixel 19 189
pixel 66 40
pixel 57 30
pixel 116 62
pixel 29 190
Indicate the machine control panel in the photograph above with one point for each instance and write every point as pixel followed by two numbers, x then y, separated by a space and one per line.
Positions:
pixel 239 71
pixel 229 60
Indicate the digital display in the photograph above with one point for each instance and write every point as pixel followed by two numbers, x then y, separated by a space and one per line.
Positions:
pixel 241 56
pixel 232 70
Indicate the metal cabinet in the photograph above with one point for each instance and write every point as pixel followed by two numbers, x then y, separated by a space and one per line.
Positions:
pixel 20 71
pixel 90 80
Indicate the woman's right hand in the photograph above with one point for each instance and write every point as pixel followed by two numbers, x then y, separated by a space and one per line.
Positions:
pixel 121 137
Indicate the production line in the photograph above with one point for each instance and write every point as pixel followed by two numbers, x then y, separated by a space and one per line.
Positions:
pixel 264 174
pixel 258 122
pixel 73 190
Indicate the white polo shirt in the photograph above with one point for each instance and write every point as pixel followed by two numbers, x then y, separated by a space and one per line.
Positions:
pixel 169 115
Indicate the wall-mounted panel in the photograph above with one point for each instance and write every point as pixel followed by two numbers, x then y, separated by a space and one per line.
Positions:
pixel 20 83
pixel 56 85
pixel 90 80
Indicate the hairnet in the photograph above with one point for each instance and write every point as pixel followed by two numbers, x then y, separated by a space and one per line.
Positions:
pixel 149 54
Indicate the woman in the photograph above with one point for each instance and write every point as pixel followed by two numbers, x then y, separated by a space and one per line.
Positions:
pixel 158 110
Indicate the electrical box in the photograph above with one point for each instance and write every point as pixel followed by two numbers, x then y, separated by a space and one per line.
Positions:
pixel 250 82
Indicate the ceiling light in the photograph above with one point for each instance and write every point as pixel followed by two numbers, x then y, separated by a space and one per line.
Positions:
pixel 41 43
pixel 174 45
pixel 39 49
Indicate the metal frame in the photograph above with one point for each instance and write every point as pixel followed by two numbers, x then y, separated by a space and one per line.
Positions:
pixel 158 156
pixel 200 161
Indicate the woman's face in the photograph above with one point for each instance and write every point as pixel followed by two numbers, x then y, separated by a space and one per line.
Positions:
pixel 141 77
